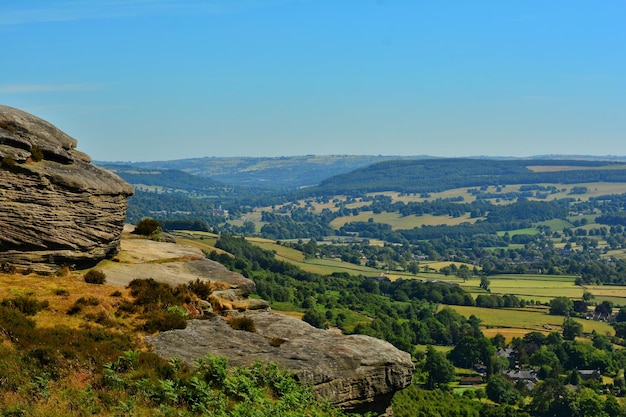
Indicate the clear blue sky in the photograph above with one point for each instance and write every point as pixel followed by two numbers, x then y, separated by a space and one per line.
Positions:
pixel 138 80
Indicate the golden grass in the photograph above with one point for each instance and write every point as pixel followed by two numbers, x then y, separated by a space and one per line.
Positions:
pixel 207 245
pixel 295 314
pixel 53 289
pixel 508 333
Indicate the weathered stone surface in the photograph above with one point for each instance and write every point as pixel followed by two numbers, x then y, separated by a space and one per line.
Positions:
pixel 60 210
pixel 358 373
pixel 172 264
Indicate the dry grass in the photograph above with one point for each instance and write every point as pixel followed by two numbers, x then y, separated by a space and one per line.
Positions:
pixel 62 293
pixel 295 314
pixel 508 334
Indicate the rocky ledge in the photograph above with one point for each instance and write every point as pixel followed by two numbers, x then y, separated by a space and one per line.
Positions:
pixel 57 208
pixel 357 373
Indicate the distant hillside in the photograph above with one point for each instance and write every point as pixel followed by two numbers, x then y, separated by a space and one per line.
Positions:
pixel 287 173
pixel 168 180
pixel 279 173
pixel 435 175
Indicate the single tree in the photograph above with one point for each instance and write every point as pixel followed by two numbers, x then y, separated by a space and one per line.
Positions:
pixel 501 390
pixel 440 370
pixel 484 283
pixel 571 329
pixel 561 306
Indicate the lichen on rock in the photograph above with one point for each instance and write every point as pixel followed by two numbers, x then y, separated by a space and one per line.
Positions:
pixel 56 207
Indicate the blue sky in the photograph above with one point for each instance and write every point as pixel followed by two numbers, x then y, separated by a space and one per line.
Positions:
pixel 140 80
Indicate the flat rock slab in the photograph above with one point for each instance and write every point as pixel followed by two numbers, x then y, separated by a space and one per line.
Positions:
pixel 141 250
pixel 169 263
pixel 358 373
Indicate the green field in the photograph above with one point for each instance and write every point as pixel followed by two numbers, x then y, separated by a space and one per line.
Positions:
pixel 315 265
pixel 527 319
pixel 526 231
pixel 540 288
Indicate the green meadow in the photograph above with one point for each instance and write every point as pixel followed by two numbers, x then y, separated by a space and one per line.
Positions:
pixel 526 320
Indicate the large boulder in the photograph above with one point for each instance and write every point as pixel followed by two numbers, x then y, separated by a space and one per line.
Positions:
pixel 56 207
pixel 358 373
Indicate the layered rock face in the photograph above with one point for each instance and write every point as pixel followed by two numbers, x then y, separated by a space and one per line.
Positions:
pixel 357 373
pixel 55 206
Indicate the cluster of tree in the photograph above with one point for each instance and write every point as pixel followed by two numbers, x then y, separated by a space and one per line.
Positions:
pixel 186 224
pixel 284 227
pixel 402 312
pixel 615 219
pixel 170 206
pixel 556 362
pixel 499 301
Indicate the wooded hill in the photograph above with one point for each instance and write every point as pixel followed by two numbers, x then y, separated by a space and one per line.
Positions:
pixel 435 175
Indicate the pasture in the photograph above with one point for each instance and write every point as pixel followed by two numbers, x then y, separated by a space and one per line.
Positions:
pixel 513 322
pixel 324 266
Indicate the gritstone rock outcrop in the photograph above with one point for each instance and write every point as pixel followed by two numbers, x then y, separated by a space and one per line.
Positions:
pixel 55 206
pixel 358 373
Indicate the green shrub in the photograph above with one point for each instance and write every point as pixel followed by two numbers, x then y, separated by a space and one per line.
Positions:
pixel 7 267
pixel 127 307
pixel 101 318
pixel 200 288
pixel 150 292
pixel 80 303
pixel 242 323
pixel 95 277
pixel 36 153
pixel 73 310
pixel 28 306
pixel 61 291
pixel 8 161
pixel 89 301
pixel 162 321
pixel 146 227
pixel 63 271
pixel 14 323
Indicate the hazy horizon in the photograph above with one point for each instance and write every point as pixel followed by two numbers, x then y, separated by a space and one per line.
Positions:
pixel 150 80
pixel 615 158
